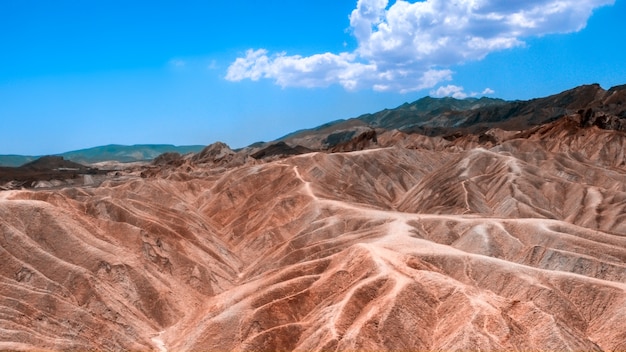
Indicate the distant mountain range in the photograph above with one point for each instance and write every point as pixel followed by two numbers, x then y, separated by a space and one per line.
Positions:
pixel 447 117
pixel 112 152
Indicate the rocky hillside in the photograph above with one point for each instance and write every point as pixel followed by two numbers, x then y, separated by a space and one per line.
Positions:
pixel 448 117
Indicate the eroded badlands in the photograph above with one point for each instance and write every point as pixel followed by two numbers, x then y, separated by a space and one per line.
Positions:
pixel 410 245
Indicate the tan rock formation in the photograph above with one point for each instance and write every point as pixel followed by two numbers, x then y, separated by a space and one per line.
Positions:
pixel 422 244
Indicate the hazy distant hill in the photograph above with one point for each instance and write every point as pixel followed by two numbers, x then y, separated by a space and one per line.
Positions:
pixel 125 153
pixel 121 153
pixel 15 160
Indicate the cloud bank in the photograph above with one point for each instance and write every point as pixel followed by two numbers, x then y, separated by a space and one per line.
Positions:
pixel 411 46
pixel 457 92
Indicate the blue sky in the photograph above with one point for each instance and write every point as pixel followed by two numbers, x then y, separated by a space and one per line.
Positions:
pixel 77 74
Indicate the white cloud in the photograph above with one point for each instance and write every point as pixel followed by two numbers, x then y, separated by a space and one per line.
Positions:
pixel 449 91
pixel 318 70
pixel 411 46
pixel 457 92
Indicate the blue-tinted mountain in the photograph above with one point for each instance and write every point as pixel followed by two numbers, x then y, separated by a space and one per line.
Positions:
pixel 112 152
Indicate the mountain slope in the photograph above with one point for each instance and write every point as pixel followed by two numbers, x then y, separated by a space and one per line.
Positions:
pixel 381 249
pixel 112 152
pixel 122 153
pixel 449 116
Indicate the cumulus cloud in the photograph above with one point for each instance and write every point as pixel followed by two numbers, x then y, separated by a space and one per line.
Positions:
pixel 311 71
pixel 457 92
pixel 411 46
pixel 449 91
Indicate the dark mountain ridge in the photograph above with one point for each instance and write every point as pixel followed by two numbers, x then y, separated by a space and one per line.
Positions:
pixel 52 162
pixel 450 117
pixel 39 172
pixel 427 111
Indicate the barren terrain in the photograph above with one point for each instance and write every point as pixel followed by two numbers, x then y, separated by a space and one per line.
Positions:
pixel 517 242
